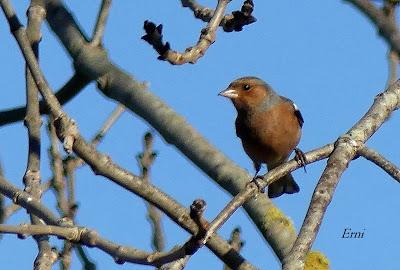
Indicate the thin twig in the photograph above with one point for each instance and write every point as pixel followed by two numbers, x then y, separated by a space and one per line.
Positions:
pixel 346 148
pixel 108 124
pixel 2 201
pixel 231 22
pixel 101 23
pixel 380 161
pixel 387 27
pixel 191 55
pixel 146 160
pixel 87 263
pixel 236 242
pixel 57 167
pixel 393 63
pixel 389 9
pixel 65 206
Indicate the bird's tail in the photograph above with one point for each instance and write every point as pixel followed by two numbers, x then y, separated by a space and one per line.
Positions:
pixel 283 185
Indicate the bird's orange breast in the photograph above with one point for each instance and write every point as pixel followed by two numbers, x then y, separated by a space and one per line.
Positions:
pixel 269 136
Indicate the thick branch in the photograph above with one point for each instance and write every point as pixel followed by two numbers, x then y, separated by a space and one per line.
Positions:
pixel 345 150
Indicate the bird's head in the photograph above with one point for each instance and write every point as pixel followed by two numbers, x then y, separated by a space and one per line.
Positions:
pixel 248 93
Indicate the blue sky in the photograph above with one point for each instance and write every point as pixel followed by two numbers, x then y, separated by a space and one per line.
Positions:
pixel 324 55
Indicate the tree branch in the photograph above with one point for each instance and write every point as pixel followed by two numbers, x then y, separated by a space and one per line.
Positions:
pixel 380 161
pixel 46 256
pixel 191 55
pixel 236 242
pixel 101 22
pixel 386 25
pixel 232 22
pixel 346 148
pixel 393 61
pixel 145 161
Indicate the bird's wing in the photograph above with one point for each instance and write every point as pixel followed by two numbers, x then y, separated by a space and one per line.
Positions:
pixel 297 112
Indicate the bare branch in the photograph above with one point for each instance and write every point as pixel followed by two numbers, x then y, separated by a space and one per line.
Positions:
pixel 57 167
pixel 207 37
pixel 387 27
pixel 380 161
pixel 236 242
pixel 3 209
pixel 145 160
pixel 393 61
pixel 108 124
pixel 46 256
pixel 346 148
pixel 101 22
pixel 87 263
pixel 12 208
pixel 176 265
pixel 232 22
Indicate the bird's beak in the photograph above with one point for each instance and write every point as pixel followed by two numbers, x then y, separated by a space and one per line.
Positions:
pixel 229 93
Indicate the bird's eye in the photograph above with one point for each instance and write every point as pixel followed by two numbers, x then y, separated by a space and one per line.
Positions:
pixel 246 87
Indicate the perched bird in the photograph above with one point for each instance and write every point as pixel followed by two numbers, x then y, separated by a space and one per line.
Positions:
pixel 269 126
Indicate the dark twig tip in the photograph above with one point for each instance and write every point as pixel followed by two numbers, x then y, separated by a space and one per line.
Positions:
pixel 197 208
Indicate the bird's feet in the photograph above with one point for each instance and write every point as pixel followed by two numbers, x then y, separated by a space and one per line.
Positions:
pixel 255 181
pixel 300 158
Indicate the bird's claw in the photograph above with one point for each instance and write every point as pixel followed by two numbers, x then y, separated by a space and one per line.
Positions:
pixel 300 158
pixel 254 180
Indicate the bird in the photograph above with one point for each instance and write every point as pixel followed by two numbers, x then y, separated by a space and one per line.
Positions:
pixel 269 126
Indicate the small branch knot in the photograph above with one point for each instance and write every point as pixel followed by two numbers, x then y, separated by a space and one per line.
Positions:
pixel 16 196
pixel 67 131
pixel 88 237
pixel 118 254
